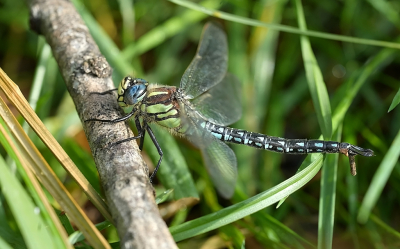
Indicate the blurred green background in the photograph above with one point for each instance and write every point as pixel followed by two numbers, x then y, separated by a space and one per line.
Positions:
pixel 156 40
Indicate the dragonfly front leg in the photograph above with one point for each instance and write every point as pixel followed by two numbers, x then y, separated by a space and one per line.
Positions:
pixel 104 93
pixel 114 120
pixel 155 142
pixel 141 131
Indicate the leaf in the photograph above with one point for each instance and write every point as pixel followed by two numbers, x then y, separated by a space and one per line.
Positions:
pixel 24 210
pixel 163 196
pixel 249 206
pixel 380 179
pixel 395 101
pixel 315 81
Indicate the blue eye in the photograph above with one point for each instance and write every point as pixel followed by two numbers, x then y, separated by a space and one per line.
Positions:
pixel 132 94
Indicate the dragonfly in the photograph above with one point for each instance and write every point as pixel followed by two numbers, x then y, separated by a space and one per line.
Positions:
pixel 201 109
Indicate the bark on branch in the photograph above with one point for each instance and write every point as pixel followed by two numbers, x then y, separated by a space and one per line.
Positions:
pixel 123 173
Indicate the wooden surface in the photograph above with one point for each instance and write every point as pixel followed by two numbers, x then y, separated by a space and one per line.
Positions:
pixel 123 172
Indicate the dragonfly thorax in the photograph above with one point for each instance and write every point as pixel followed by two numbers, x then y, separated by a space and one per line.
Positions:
pixel 131 91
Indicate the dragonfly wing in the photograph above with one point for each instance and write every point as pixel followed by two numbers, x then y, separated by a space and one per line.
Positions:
pixel 221 104
pixel 221 165
pixel 209 65
pixel 219 159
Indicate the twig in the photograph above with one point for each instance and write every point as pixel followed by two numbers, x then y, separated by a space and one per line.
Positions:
pixel 123 173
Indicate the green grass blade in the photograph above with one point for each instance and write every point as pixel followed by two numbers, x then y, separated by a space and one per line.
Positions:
pixel 387 9
pixel 23 210
pixel 163 196
pixel 238 64
pixel 171 27
pixel 41 167
pixel 354 84
pixel 78 236
pixel 285 28
pixel 249 206
pixel 384 226
pixel 263 61
pixel 379 180
pixel 285 234
pixel 7 233
pixel 39 76
pixel 308 160
pixel 4 244
pixel 65 222
pixel 327 199
pixel 315 81
pixel 128 21
pixel 20 157
pixel 395 101
pixel 350 89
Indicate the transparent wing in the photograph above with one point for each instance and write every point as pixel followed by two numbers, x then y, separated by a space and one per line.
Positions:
pixel 221 165
pixel 219 159
pixel 209 65
pixel 221 104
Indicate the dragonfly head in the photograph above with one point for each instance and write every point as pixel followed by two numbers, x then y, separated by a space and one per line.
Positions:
pixel 131 91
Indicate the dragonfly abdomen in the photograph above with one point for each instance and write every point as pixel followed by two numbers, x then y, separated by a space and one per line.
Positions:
pixel 276 144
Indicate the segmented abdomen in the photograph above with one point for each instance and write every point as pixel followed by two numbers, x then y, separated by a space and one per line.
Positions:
pixel 277 144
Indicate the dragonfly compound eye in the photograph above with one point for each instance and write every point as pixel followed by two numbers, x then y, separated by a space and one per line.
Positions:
pixel 134 94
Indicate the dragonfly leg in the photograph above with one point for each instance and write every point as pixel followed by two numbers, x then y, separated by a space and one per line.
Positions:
pixel 139 128
pixel 140 135
pixel 153 138
pixel 114 120
pixel 104 93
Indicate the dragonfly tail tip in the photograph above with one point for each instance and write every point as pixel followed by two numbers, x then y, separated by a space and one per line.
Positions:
pixel 355 150
pixel 351 151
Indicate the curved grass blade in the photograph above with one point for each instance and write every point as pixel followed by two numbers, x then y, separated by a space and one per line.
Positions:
pixel 26 212
pixel 238 63
pixel 350 90
pixel 395 101
pixel 320 99
pixel 384 226
pixel 65 222
pixel 285 28
pixel 166 30
pixel 387 10
pixel 4 244
pixel 38 79
pixel 326 216
pixel 49 179
pixel 379 180
pixel 264 59
pixel 15 96
pixel 127 11
pixel 249 206
pixel 163 196
pixel 78 236
pixel 274 226
pixel 315 81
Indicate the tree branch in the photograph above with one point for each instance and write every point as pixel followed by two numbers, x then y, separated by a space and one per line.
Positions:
pixel 123 173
